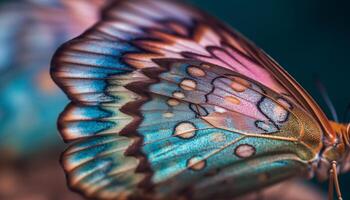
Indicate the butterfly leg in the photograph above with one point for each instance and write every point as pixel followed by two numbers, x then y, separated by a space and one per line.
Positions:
pixel 334 182
pixel 331 185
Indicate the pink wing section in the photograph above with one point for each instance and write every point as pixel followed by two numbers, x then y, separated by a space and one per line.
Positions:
pixel 166 29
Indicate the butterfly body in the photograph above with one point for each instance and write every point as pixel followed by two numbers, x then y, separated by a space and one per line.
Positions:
pixel 168 104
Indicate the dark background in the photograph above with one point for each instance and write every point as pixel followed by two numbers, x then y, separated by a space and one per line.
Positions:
pixel 308 37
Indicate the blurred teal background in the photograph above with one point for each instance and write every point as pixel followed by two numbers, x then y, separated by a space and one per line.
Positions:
pixel 30 32
pixel 308 38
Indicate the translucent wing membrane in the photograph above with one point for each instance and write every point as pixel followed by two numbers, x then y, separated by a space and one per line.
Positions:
pixel 164 98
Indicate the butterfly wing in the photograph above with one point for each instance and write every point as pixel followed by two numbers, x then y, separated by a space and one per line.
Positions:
pixel 144 124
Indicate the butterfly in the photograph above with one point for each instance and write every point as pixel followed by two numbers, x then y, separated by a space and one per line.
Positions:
pixel 169 103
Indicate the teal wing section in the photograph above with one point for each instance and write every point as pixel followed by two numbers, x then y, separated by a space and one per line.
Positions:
pixel 192 144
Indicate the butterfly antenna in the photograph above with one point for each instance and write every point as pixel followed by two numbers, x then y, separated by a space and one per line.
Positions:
pixel 327 100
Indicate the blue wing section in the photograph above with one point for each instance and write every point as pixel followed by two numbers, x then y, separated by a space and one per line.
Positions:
pixel 93 75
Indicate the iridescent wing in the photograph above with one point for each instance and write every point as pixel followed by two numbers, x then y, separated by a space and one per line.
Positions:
pixel 167 102
pixel 213 119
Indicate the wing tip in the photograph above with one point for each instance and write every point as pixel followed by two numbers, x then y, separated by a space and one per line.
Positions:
pixel 93 168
